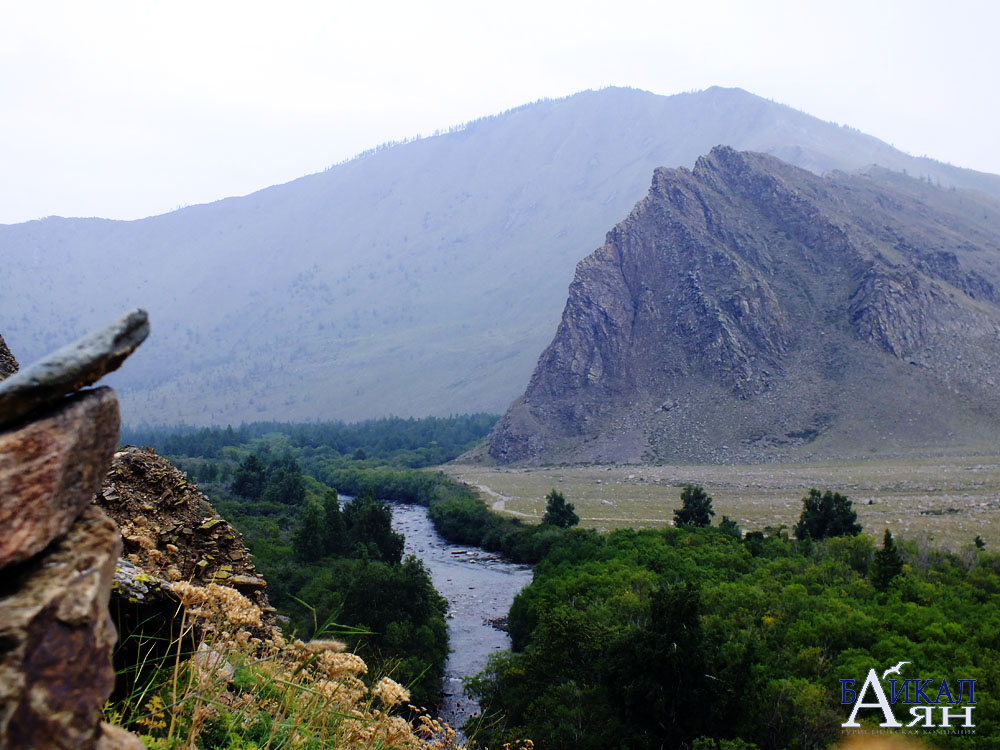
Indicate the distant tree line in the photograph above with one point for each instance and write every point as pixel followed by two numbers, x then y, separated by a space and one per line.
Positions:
pixel 404 442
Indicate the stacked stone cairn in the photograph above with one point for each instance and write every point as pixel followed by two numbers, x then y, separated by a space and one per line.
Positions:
pixel 58 550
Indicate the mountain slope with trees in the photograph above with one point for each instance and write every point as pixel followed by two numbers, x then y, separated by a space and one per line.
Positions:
pixel 421 278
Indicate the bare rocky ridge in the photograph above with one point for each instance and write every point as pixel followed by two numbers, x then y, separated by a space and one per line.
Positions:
pixel 750 310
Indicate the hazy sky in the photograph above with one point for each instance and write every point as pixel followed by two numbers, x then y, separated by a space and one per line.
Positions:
pixel 129 108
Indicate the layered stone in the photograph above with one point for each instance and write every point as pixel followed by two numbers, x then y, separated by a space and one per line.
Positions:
pixel 50 470
pixel 75 366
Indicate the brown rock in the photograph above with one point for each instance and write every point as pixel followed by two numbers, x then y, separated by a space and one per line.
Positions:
pixel 50 470
pixel 8 365
pixel 247 583
pixel 56 637
pixel 116 738
pixel 188 540
pixel 71 368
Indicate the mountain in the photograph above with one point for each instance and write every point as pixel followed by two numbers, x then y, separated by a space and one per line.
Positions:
pixel 749 310
pixel 421 278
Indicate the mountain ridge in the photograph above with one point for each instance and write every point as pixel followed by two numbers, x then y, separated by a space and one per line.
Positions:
pixel 423 278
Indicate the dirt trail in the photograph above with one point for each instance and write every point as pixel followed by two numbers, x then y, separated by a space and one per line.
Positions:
pixel 499 504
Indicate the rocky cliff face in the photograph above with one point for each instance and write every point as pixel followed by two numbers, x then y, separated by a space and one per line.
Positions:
pixel 748 310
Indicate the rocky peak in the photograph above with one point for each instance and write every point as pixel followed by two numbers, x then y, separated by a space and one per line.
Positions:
pixel 740 302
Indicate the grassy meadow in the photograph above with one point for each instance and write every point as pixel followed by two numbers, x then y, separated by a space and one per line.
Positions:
pixel 945 501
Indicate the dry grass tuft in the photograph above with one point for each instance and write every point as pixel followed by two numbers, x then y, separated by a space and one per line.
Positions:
pixel 243 691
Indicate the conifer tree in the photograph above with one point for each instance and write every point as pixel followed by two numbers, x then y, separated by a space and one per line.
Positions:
pixel 309 537
pixel 887 563
pixel 697 510
pixel 249 478
pixel 334 527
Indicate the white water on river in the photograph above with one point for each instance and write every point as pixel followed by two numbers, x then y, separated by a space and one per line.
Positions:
pixel 479 587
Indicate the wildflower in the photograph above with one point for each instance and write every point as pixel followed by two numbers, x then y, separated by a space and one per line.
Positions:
pixel 217 603
pixel 390 692
pixel 336 665
pixel 345 691
pixel 319 646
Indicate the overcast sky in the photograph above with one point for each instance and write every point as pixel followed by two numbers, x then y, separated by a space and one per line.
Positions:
pixel 130 108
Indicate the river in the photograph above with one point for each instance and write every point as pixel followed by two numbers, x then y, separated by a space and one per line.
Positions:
pixel 478 585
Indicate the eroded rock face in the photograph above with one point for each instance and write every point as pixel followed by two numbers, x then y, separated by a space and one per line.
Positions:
pixel 170 529
pixel 50 470
pixel 8 365
pixel 56 638
pixel 747 310
pixel 171 533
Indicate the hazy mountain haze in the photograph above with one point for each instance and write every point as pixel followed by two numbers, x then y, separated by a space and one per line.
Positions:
pixel 425 278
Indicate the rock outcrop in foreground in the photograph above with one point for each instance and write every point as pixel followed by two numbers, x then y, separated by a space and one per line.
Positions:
pixel 748 310
pixel 171 532
pixel 58 551
pixel 70 506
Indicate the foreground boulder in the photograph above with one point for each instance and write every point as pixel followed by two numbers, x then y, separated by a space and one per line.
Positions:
pixel 75 366
pixel 171 531
pixel 171 535
pixel 56 638
pixel 58 551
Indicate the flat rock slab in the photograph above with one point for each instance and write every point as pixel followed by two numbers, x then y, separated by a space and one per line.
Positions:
pixel 56 638
pixel 71 368
pixel 50 470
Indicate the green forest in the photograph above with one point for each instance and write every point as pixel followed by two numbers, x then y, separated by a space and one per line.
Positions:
pixel 704 638
pixel 394 440
pixel 698 636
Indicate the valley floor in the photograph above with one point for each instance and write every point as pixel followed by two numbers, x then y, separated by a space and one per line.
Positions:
pixel 945 501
